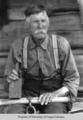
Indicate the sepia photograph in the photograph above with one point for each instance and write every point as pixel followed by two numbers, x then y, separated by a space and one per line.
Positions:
pixel 41 59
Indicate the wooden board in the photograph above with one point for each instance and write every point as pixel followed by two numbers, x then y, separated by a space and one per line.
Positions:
pixel 54 3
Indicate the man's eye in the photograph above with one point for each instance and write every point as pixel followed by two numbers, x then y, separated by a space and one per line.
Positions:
pixel 35 21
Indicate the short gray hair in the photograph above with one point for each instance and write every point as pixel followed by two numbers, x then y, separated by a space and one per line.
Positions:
pixel 32 9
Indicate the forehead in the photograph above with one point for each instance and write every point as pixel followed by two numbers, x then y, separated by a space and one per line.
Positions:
pixel 41 15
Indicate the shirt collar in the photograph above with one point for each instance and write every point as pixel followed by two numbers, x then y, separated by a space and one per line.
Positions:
pixel 32 45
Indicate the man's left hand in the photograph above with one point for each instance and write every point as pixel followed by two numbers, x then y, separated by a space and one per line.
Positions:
pixel 45 98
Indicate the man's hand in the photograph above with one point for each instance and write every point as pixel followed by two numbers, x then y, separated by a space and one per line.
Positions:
pixel 47 97
pixel 13 76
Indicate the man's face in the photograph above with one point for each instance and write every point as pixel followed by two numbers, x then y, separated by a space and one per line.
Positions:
pixel 38 25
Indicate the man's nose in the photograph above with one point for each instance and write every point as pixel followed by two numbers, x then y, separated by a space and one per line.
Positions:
pixel 40 24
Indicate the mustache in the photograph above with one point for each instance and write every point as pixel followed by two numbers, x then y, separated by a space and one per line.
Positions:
pixel 40 31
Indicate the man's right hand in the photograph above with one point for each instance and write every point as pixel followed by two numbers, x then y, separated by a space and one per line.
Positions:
pixel 13 76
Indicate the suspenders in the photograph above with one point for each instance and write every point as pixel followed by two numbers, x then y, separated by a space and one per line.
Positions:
pixel 24 59
pixel 55 50
pixel 15 87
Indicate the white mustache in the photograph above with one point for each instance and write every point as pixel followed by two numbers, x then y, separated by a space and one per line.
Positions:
pixel 40 31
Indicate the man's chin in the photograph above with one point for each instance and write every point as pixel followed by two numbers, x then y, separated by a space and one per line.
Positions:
pixel 40 36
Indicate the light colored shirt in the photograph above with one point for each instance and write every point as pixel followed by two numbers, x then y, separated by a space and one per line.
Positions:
pixel 43 56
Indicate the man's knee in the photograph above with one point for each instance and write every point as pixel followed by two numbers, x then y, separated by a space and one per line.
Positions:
pixel 56 108
pixel 13 109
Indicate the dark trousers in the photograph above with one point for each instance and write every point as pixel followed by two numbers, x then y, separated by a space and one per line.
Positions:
pixel 51 108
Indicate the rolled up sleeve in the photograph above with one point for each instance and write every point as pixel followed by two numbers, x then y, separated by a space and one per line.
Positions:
pixel 14 56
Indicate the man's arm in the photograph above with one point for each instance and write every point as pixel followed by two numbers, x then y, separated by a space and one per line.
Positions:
pixel 14 58
pixel 12 74
pixel 10 64
pixel 69 69
pixel 70 72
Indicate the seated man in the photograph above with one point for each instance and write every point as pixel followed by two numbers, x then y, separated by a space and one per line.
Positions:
pixel 47 66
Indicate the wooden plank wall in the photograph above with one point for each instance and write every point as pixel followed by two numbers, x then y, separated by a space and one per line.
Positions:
pixel 65 23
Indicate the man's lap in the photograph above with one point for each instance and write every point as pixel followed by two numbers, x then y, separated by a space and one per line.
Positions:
pixel 51 108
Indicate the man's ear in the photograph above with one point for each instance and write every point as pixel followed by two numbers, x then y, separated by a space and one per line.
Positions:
pixel 48 21
pixel 27 22
pixel 27 19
